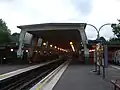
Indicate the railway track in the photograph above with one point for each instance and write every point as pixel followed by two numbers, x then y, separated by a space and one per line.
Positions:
pixel 28 79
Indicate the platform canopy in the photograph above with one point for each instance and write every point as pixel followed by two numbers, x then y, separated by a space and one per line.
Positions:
pixel 58 34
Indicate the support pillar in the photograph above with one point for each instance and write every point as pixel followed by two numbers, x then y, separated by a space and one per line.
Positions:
pixel 86 56
pixel 46 45
pixel 40 42
pixel 21 44
pixel 84 42
pixel 78 50
pixel 34 43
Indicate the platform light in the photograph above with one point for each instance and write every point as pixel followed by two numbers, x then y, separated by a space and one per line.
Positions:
pixel 58 48
pixel 36 51
pixel 66 51
pixel 71 43
pixel 11 50
pixel 4 58
pixel 44 44
pixel 51 45
pixel 45 52
pixel 55 46
pixel 26 50
pixel 73 48
pixel 63 50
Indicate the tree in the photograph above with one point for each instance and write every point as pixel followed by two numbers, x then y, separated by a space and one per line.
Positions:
pixel 116 29
pixel 113 41
pixel 4 33
pixel 3 27
pixel 15 37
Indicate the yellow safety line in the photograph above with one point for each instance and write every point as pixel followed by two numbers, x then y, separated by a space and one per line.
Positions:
pixel 39 86
pixel 3 76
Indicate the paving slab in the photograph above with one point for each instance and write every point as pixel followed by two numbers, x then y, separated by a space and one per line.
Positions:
pixel 81 77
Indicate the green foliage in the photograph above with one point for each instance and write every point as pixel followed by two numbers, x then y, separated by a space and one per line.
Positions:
pixel 4 37
pixel 114 41
pixel 4 33
pixel 116 30
pixel 3 27
pixel 15 37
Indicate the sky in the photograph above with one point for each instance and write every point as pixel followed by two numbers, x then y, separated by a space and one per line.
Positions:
pixel 95 12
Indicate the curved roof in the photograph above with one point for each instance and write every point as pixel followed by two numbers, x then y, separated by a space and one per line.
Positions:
pixel 52 24
pixel 56 33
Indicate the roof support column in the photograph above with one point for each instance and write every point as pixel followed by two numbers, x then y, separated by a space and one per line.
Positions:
pixel 21 44
pixel 84 42
pixel 33 50
pixel 47 44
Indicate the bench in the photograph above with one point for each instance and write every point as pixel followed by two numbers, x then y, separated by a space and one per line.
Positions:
pixel 116 84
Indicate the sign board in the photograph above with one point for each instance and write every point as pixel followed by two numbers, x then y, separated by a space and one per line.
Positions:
pixel 98 54
pixel 95 56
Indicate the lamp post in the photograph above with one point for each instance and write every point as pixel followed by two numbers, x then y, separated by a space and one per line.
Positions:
pixel 103 53
pixel 98 30
pixel 95 29
pixel 98 37
pixel 102 27
pixel 95 55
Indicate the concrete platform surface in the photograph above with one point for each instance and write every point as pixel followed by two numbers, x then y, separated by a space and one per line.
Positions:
pixel 81 77
pixel 5 68
pixel 112 72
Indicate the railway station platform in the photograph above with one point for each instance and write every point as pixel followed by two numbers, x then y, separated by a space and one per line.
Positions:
pixel 14 70
pixel 76 76
pixel 81 77
pixel 8 68
pixel 5 68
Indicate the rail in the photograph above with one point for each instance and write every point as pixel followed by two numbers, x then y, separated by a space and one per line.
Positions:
pixel 26 80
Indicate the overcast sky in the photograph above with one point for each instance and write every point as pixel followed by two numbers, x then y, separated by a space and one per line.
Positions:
pixel 96 12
